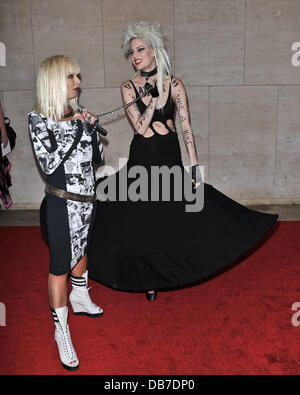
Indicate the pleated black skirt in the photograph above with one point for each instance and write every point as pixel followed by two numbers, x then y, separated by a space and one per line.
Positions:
pixel 159 245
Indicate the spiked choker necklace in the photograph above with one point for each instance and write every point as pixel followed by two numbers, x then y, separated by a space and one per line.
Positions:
pixel 148 74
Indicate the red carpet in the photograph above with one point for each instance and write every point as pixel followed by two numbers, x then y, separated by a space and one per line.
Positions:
pixel 236 323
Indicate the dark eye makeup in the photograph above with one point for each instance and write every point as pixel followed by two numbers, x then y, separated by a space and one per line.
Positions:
pixel 139 50
pixel 71 76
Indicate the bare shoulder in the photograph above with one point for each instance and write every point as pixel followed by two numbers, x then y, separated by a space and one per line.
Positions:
pixel 178 90
pixel 177 83
pixel 127 92
pixel 126 85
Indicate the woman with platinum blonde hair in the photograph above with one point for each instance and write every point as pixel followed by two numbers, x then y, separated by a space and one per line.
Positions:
pixel 66 144
pixel 51 95
pixel 158 245
pixel 152 35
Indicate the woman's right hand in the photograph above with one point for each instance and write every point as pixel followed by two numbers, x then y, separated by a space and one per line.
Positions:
pixel 151 87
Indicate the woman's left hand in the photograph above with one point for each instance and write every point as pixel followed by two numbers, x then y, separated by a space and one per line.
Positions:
pixel 86 116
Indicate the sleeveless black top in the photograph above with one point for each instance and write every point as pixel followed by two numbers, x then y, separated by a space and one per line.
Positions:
pixel 162 114
pixel 160 149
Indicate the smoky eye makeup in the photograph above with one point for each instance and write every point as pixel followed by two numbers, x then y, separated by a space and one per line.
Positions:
pixel 71 76
pixel 139 49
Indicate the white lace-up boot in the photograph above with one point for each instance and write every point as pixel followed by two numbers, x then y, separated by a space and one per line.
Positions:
pixel 63 339
pixel 80 298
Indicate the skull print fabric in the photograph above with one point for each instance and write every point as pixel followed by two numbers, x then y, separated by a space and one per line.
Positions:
pixel 65 153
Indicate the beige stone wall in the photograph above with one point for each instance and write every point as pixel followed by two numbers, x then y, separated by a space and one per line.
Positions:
pixel 234 57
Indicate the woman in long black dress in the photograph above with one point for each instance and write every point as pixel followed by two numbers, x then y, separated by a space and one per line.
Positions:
pixel 153 245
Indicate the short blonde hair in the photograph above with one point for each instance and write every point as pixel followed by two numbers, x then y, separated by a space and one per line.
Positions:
pixel 51 87
pixel 152 35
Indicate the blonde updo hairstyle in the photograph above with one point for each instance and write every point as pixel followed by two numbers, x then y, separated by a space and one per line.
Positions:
pixel 51 88
pixel 151 34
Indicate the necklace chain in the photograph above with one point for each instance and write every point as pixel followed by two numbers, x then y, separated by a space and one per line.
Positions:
pixel 105 114
pixel 145 93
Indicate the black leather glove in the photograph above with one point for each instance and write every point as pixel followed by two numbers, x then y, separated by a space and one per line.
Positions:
pixel 196 175
pixel 151 89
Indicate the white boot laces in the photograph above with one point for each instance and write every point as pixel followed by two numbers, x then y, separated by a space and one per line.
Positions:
pixel 67 344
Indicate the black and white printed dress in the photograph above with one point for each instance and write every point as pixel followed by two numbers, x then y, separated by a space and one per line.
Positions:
pixel 66 153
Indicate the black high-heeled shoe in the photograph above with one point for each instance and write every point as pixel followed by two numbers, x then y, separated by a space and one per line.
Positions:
pixel 151 295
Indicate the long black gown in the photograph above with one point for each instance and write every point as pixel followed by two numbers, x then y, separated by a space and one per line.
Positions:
pixel 147 245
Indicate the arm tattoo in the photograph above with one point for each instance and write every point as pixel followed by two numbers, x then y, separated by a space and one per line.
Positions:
pixel 179 102
pixel 183 108
pixel 135 107
pixel 184 116
pixel 139 121
pixel 145 117
pixel 175 83
pixel 123 99
pixel 188 139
